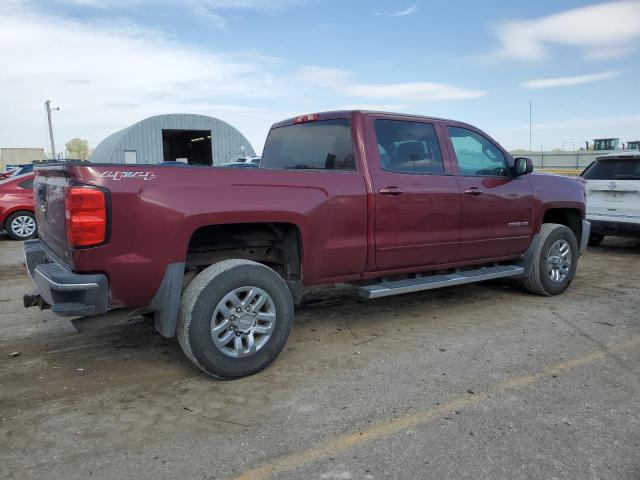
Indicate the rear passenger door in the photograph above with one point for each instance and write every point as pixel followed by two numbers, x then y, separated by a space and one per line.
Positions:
pixel 417 199
pixel 497 208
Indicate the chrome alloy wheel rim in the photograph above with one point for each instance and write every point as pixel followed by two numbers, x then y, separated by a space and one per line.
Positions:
pixel 23 226
pixel 559 261
pixel 243 322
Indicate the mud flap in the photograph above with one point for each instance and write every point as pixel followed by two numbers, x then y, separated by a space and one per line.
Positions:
pixel 166 302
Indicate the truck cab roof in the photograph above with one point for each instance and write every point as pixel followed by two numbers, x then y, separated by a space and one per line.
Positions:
pixel 349 113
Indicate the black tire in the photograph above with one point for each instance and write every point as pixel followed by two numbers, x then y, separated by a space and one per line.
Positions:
pixel 538 280
pixel 198 306
pixel 595 239
pixel 11 227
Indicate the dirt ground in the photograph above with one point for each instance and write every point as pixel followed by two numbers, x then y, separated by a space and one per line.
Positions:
pixel 482 381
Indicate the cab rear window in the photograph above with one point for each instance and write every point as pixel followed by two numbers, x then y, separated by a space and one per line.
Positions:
pixel 321 145
pixel 614 169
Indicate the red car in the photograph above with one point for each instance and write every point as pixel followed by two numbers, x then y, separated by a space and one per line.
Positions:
pixel 16 207
pixel 7 174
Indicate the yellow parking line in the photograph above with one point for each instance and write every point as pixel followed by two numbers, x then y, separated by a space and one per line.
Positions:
pixel 343 443
pixel 561 171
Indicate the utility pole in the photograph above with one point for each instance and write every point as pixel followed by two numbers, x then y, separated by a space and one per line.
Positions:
pixel 530 148
pixel 47 107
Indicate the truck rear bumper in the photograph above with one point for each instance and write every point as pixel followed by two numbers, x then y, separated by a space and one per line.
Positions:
pixel 68 293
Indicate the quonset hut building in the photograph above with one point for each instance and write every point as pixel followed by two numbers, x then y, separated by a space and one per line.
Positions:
pixel 187 138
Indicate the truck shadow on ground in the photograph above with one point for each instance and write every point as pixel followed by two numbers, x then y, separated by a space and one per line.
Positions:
pixel 626 246
pixel 333 315
pixel 333 325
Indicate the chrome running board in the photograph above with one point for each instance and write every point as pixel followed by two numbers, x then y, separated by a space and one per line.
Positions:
pixel 397 287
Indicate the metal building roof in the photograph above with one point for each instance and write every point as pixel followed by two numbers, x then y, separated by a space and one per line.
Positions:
pixel 145 137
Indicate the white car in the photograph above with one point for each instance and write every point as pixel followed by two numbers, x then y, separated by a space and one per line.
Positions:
pixel 250 162
pixel 612 184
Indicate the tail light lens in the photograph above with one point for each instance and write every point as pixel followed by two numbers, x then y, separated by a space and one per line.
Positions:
pixel 86 215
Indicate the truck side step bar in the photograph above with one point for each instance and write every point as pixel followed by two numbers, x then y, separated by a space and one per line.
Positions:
pixel 388 288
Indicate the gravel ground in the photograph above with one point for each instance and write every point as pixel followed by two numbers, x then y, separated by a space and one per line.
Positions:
pixel 481 381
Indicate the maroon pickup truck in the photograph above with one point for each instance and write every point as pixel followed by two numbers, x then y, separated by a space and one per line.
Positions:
pixel 219 255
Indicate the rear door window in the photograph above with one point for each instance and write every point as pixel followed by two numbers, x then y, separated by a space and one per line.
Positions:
pixel 408 147
pixel 614 169
pixel 321 145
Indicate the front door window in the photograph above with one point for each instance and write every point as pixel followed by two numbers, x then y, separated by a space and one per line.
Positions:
pixel 476 155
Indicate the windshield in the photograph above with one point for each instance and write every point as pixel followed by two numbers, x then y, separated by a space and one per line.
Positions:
pixel 323 145
pixel 614 169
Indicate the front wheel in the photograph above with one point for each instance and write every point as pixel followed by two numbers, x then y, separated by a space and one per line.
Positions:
pixel 21 226
pixel 235 318
pixel 554 262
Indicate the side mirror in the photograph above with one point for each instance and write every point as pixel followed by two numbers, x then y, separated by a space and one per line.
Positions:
pixel 522 166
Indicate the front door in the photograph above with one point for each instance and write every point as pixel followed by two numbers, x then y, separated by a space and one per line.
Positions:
pixel 417 199
pixel 497 208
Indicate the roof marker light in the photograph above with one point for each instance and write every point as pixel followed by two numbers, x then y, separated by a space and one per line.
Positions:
pixel 311 117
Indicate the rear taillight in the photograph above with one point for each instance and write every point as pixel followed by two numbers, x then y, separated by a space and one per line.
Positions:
pixel 86 214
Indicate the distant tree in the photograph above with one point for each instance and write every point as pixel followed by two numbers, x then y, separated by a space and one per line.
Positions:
pixel 518 151
pixel 78 148
pixel 557 150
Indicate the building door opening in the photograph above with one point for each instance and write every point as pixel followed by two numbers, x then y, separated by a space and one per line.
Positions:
pixel 187 146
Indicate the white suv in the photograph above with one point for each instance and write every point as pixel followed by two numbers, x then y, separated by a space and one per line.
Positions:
pixel 612 184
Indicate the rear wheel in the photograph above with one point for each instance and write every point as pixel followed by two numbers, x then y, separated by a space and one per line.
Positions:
pixel 595 239
pixel 21 225
pixel 554 261
pixel 235 318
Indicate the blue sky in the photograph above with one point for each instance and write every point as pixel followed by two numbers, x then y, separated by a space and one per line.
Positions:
pixel 252 62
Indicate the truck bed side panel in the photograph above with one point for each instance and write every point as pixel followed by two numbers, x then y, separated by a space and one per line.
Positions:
pixel 155 213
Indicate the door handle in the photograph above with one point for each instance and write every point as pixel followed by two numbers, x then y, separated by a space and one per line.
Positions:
pixel 390 191
pixel 473 191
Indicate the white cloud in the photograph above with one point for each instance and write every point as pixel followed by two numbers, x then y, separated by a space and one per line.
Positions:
pixel 323 76
pixel 567 81
pixel 212 10
pixel 341 81
pixel 600 31
pixel 610 123
pixel 400 13
pixel 259 5
pixel 415 91
pixel 106 76
pixel 377 107
pixel 406 11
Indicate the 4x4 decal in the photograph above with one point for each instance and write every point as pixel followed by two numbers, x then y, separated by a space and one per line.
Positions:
pixel 120 175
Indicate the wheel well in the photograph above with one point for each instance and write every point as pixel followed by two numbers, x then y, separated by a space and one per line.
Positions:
pixel 277 245
pixel 565 216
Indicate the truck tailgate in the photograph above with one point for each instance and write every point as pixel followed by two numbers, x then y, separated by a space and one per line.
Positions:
pixel 49 187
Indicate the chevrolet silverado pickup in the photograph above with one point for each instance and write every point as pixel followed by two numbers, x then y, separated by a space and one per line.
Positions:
pixel 219 256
